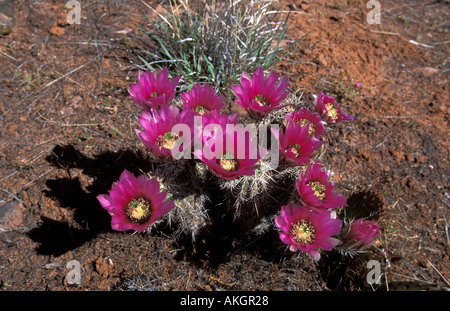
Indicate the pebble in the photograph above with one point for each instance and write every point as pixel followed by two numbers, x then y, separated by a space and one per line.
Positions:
pixel 11 215
pixel 427 71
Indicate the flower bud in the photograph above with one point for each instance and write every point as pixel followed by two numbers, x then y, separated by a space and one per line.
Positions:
pixel 360 234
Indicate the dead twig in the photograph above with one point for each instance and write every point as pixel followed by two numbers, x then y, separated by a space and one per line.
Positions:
pixel 73 70
pixel 385 32
pixel 69 124
pixel 9 56
pixel 445 280
pixel 400 117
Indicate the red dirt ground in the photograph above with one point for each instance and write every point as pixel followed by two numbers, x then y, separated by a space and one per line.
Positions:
pixel 67 133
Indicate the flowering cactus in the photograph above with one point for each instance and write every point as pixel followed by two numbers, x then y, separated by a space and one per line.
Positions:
pixel 215 117
pixel 360 234
pixel 316 190
pixel 305 229
pixel 135 203
pixel 329 109
pixel 154 89
pixel 259 94
pixel 158 133
pixel 234 159
pixel 202 99
pixel 305 117
pixel 250 184
pixel 296 146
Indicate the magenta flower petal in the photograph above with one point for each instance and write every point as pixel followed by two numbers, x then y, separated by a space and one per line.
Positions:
pixel 153 89
pixel 329 109
pixel 316 190
pixel 202 99
pixel 158 135
pixel 286 239
pixel 308 230
pixel 296 146
pixel 260 94
pixel 106 201
pixel 132 202
pixel 304 117
pixel 360 234
pixel 235 160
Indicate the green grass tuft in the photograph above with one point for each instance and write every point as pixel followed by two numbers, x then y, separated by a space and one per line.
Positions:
pixel 214 42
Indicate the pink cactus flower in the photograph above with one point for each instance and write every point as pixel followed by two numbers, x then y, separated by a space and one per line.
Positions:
pixel 235 159
pixel 154 89
pixel 158 133
pixel 212 118
pixel 329 109
pixel 135 203
pixel 259 94
pixel 202 99
pixel 305 229
pixel 304 117
pixel 316 190
pixel 360 234
pixel 296 146
pixel 220 118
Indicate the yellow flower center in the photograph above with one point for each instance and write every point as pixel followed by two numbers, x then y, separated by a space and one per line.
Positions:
pixel 200 110
pixel 318 188
pixel 332 111
pixel 303 232
pixel 227 164
pixel 167 140
pixel 295 150
pixel 261 100
pixel 138 210
pixel 312 128
pixel 153 94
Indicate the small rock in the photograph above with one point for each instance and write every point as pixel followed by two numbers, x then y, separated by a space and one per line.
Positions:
pixel 75 101
pixel 11 215
pixel 4 31
pixel 6 23
pixel 427 71
pixel 322 60
pixel 57 30
pixel 13 128
pixel 124 31
pixel 337 16
pixel 66 111
pixel 6 17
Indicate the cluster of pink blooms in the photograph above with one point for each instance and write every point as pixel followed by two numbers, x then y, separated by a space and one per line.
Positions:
pixel 308 225
pixel 311 223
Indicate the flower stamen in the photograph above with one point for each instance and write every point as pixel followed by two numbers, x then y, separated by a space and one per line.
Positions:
pixel 228 164
pixel 167 140
pixel 262 101
pixel 138 210
pixel 303 232
pixel 332 111
pixel 318 188
pixel 295 150
pixel 200 110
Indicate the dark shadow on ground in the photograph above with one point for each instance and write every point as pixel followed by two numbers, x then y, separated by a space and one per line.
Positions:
pixel 344 272
pixel 56 238
pixel 228 235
